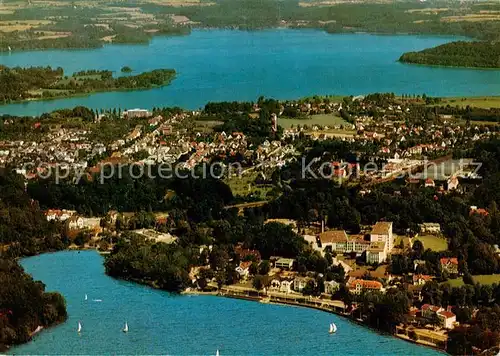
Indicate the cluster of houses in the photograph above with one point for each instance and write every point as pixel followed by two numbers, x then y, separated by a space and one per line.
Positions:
pixel 376 245
pixel 72 220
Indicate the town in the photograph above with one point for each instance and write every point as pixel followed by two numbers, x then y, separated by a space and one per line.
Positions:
pixel 380 208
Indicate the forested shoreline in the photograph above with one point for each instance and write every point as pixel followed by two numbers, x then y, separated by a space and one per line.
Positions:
pixel 18 84
pixel 24 231
pixel 458 54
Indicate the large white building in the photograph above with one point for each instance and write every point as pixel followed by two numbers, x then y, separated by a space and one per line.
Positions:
pixel 382 232
pixel 338 241
pixel 381 242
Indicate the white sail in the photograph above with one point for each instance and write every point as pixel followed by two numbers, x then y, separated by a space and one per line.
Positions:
pixel 125 329
pixel 217 353
pixel 86 297
pixel 79 327
pixel 334 327
pixel 10 49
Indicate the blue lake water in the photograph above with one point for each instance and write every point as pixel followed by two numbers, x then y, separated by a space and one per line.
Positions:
pixel 216 65
pixel 160 323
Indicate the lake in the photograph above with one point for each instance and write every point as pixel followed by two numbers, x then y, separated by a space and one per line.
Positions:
pixel 218 65
pixel 160 323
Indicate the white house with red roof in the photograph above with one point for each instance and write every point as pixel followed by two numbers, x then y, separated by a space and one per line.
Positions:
pixel 447 317
pixel 449 264
pixel 359 285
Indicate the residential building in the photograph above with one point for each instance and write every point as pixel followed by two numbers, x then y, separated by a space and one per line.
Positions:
pixel 446 317
pixel 91 223
pixel 421 279
pixel 75 223
pixel 243 269
pixel 359 285
pixel 449 264
pixel 299 283
pixel 284 263
pixel 281 285
pixel 479 211
pixel 430 228
pixel 286 286
pixel 59 215
pixel 331 287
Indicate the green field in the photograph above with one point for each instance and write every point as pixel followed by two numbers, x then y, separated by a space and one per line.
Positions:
pixel 456 282
pixel 486 102
pixel 435 243
pixel 245 185
pixel 480 278
pixel 321 119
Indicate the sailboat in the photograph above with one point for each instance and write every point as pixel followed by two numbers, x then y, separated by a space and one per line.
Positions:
pixel 79 327
pixel 125 329
pixel 217 353
pixel 86 297
pixel 10 49
pixel 333 328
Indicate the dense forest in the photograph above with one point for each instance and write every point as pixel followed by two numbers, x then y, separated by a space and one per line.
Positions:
pixel 44 82
pixel 24 231
pixel 458 54
pixel 24 305
pixel 23 226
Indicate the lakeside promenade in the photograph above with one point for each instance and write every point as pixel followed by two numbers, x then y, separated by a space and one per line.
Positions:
pixel 428 338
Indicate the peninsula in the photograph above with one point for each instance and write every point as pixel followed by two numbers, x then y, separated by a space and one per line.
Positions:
pixel 458 54
pixel 35 83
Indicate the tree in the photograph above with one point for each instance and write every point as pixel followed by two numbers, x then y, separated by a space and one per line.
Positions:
pixel 260 282
pixel 418 248
pixel 264 267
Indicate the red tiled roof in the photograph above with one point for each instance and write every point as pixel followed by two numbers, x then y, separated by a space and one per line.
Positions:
pixel 434 308
pixel 479 211
pixel 245 265
pixel 367 284
pixel 446 314
pixel 447 260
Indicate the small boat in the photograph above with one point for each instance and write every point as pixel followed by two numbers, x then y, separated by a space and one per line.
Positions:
pixel 217 353
pixel 333 328
pixel 125 328
pixel 97 300
pixel 79 327
pixel 86 297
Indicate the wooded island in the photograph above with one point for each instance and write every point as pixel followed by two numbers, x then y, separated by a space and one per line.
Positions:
pixel 18 84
